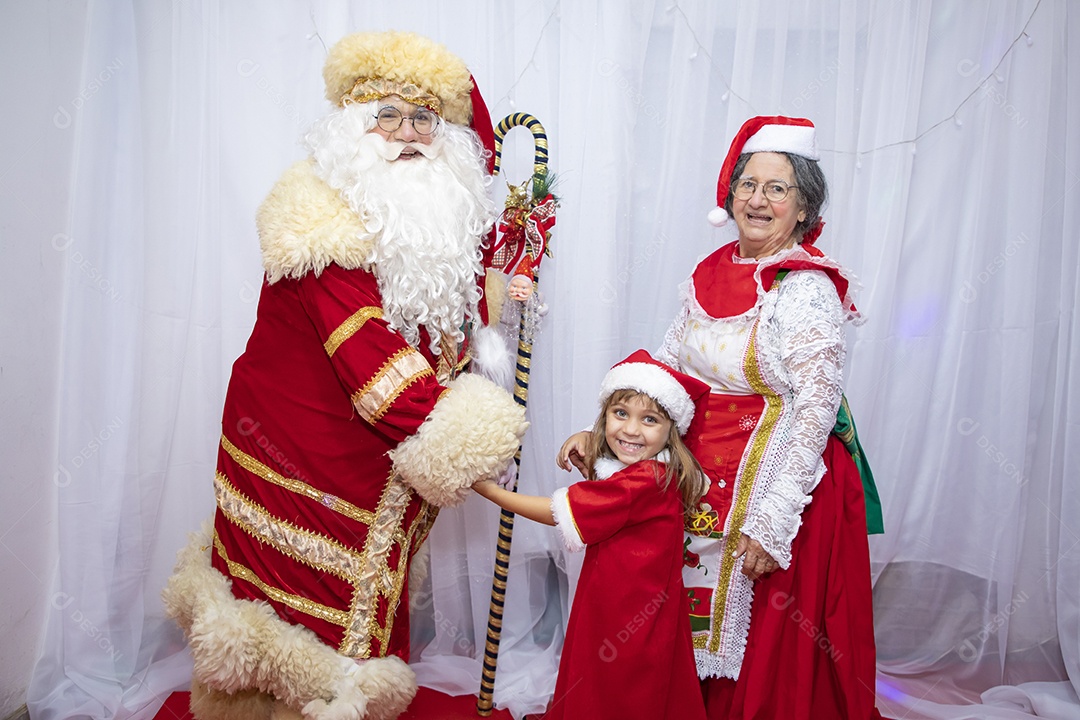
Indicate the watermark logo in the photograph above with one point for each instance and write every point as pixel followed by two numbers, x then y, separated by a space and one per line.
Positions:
pixel 63 477
pixel 248 427
pixel 609 291
pixel 248 68
pixel 62 118
pixel 967 67
pixel 61 601
pixel 64 243
pixel 969 289
pixel 816 84
pixel 968 427
pixel 783 601
pixel 609 651
pixel 970 649
pixel 608 68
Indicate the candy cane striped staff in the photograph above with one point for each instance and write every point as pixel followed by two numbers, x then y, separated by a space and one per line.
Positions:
pixel 525 226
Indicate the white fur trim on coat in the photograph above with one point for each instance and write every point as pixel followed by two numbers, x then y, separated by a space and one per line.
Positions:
pixel 471 434
pixel 242 645
pixel 304 225
pixel 564 520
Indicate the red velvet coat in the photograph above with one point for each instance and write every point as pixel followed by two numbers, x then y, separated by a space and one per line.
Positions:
pixel 322 393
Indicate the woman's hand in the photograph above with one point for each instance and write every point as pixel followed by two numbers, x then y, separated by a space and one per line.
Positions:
pixel 572 453
pixel 756 562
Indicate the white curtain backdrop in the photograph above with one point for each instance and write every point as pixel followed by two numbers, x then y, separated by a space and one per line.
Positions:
pixel 949 140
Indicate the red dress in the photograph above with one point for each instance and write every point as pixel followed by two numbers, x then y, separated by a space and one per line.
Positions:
pixel 628 652
pixel 797 644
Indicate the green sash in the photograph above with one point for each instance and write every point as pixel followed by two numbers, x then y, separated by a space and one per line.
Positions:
pixel 845 430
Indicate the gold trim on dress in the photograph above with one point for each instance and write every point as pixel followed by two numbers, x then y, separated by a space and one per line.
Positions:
pixel 350 327
pixel 744 483
pixel 374 578
pixel 327 500
pixel 398 576
pixel 310 548
pixel 368 572
pixel 302 604
pixel 404 368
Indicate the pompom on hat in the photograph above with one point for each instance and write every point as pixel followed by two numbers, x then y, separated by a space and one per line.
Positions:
pixel 368 66
pixel 775 133
pixel 682 397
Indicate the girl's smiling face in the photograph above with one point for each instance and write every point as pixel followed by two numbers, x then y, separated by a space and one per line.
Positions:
pixel 636 429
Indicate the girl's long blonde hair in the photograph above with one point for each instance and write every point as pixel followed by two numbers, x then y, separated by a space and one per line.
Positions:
pixel 682 466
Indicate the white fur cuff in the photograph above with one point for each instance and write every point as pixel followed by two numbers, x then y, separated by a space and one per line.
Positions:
pixel 471 435
pixel 564 520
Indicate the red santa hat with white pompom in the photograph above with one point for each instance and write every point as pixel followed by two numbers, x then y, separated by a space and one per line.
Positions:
pixel 774 133
pixel 682 397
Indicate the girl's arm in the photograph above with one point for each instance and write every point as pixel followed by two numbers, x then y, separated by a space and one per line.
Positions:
pixel 533 507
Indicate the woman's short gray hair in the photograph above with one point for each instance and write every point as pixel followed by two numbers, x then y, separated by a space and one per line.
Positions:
pixel 813 190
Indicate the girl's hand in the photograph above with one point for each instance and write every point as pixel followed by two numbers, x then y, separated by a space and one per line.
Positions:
pixel 756 562
pixel 572 453
pixel 485 488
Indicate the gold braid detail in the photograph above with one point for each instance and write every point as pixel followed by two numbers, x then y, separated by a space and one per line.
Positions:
pixel 744 483
pixel 350 327
pixel 309 607
pixel 327 500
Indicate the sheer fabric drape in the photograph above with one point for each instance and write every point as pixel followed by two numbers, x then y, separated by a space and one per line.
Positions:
pixel 953 169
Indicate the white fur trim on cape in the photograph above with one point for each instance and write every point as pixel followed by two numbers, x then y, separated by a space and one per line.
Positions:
pixel 655 382
pixel 605 467
pixel 491 357
pixel 304 225
pixel 564 520
pixel 242 646
pixel 470 435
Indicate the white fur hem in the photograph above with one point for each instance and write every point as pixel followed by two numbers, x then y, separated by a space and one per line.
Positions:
pixel 471 434
pixel 241 645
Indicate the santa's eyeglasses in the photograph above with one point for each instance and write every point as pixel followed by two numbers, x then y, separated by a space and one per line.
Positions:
pixel 424 122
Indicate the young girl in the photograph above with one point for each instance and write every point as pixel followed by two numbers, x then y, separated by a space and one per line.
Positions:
pixel 628 652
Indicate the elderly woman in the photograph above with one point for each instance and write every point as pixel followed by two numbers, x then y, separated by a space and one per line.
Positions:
pixel 777 566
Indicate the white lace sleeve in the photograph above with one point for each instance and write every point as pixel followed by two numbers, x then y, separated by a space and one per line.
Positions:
pixel 809 321
pixel 669 351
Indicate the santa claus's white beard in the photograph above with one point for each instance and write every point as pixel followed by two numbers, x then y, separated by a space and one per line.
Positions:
pixel 424 218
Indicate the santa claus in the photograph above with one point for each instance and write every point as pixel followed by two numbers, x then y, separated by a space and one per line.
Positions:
pixel 346 424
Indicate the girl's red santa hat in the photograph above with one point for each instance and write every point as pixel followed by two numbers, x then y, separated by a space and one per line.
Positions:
pixel 775 133
pixel 682 397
